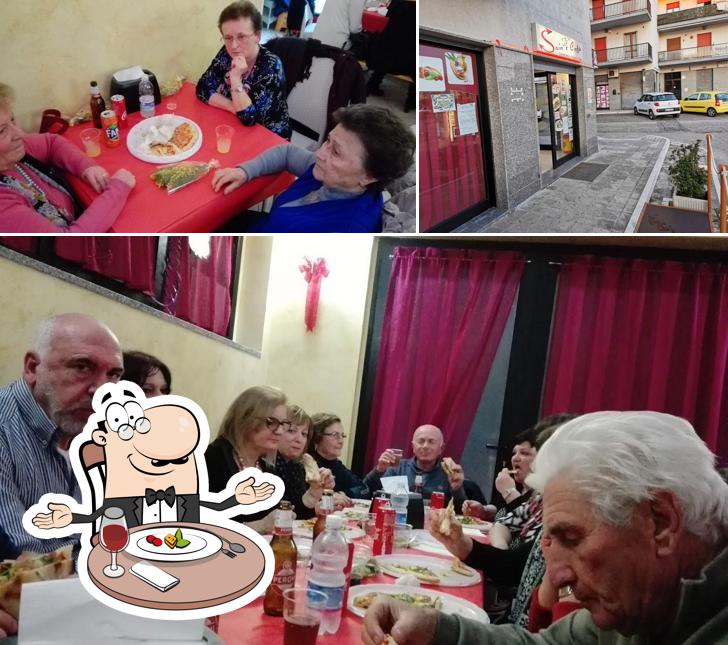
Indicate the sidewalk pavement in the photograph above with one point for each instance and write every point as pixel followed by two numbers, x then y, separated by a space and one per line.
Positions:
pixel 610 203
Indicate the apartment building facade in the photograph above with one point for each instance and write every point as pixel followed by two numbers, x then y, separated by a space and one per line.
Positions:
pixel 639 46
pixel 506 101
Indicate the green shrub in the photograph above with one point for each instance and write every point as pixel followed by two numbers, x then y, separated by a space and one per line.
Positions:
pixel 688 178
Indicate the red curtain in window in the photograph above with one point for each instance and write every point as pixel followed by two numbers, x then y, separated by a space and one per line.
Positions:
pixel 130 260
pixel 21 243
pixel 445 314
pixel 197 289
pixel 642 335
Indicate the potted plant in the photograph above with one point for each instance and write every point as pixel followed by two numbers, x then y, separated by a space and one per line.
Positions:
pixel 689 180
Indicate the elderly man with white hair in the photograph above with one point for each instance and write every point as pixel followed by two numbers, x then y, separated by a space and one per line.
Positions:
pixel 427 446
pixel 71 355
pixel 635 524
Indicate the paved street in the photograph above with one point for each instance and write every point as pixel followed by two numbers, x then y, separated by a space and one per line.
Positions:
pixel 630 147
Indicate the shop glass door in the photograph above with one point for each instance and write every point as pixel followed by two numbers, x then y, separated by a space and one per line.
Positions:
pixel 452 174
pixel 564 123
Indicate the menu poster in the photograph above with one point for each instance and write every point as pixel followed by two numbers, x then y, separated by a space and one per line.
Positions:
pixel 431 74
pixel 443 102
pixel 459 68
pixel 467 118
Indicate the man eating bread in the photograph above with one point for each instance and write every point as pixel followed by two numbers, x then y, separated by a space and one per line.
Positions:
pixel 439 474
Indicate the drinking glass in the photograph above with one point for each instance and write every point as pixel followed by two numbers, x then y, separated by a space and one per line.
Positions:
pixel 370 528
pixel 302 610
pixel 397 452
pixel 171 107
pixel 91 142
pixel 114 536
pixel 224 138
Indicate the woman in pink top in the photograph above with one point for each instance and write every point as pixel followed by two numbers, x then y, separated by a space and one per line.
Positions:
pixel 34 197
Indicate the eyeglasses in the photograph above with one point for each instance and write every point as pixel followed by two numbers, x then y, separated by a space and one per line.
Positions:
pixel 241 38
pixel 275 425
pixel 335 435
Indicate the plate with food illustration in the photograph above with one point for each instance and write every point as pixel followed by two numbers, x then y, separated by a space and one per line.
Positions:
pixel 170 544
pixel 460 69
pixel 428 570
pixel 361 597
pixel 164 139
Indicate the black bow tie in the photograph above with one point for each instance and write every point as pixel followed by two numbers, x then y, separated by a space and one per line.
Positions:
pixel 151 496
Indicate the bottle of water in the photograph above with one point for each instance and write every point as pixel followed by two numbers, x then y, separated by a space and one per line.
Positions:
pixel 399 501
pixel 329 556
pixel 146 97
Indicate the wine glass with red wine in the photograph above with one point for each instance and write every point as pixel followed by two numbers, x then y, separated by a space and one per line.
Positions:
pixel 114 536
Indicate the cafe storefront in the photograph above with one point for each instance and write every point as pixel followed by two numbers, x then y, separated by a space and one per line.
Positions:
pixel 500 117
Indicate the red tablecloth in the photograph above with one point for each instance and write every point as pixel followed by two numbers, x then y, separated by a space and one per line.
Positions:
pixel 196 208
pixel 373 22
pixel 250 625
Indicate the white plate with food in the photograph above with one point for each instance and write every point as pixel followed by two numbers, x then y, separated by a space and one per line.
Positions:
pixel 353 513
pixel 164 139
pixel 362 596
pixel 304 528
pixel 429 571
pixel 158 544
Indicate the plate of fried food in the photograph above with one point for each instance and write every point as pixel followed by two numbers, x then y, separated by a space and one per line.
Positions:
pixel 164 139
pixel 361 597
pixel 428 570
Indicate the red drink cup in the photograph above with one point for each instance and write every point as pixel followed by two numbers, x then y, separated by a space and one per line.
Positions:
pixel 302 610
pixel 118 105
pixel 437 500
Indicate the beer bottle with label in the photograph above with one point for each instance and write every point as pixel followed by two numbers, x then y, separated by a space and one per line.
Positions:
pixel 326 507
pixel 98 105
pixel 284 550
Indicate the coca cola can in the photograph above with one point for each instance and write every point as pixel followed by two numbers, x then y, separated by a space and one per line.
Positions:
pixel 384 538
pixel 118 104
pixel 379 502
pixel 437 500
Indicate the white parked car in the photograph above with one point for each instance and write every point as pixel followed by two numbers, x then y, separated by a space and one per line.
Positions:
pixel 658 104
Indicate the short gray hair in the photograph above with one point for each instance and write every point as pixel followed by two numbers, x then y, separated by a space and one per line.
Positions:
pixel 7 96
pixel 620 459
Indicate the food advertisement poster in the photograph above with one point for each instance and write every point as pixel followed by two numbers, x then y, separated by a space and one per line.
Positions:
pixel 467 119
pixel 431 74
pixel 459 68
pixel 443 102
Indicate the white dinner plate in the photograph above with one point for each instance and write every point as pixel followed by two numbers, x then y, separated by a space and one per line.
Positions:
pixel 202 544
pixel 423 541
pixel 353 513
pixel 304 528
pixel 469 522
pixel 440 567
pixel 362 503
pixel 450 604
pixel 137 147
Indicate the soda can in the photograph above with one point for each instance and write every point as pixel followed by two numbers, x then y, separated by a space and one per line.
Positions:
pixel 110 126
pixel 118 104
pixel 437 500
pixel 379 502
pixel 384 538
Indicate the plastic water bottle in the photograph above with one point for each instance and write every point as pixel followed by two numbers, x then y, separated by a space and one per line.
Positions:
pixel 146 97
pixel 329 556
pixel 399 501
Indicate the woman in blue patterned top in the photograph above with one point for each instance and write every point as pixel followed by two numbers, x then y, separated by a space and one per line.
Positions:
pixel 245 78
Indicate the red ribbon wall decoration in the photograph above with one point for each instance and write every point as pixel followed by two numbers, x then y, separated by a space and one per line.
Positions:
pixel 313 272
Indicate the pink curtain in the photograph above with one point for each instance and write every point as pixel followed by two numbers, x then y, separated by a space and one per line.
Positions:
pixel 198 289
pixel 130 260
pixel 640 334
pixel 21 243
pixel 445 314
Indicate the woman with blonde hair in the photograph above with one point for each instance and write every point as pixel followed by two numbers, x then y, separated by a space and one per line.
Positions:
pixel 250 432
pixel 34 194
pixel 289 466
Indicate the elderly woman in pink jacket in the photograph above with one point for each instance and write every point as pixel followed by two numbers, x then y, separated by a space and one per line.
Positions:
pixel 35 198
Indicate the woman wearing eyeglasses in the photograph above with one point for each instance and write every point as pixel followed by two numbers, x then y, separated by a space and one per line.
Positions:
pixel 245 78
pixel 249 432
pixel 327 443
pixel 292 444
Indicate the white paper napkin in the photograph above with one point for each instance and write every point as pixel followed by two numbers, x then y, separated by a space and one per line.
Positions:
pixel 391 484
pixel 62 612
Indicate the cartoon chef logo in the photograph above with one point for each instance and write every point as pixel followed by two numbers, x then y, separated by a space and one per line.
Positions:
pixel 155 541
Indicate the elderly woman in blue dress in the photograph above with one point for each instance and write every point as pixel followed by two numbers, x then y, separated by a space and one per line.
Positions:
pixel 245 78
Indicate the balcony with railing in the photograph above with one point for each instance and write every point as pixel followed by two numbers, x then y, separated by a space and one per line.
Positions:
pixel 616 14
pixel 707 14
pixel 614 56
pixel 689 55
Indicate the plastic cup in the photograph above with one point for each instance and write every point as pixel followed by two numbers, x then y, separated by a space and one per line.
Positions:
pixel 397 452
pixel 91 138
pixel 224 138
pixel 402 535
pixel 302 610
pixel 171 107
